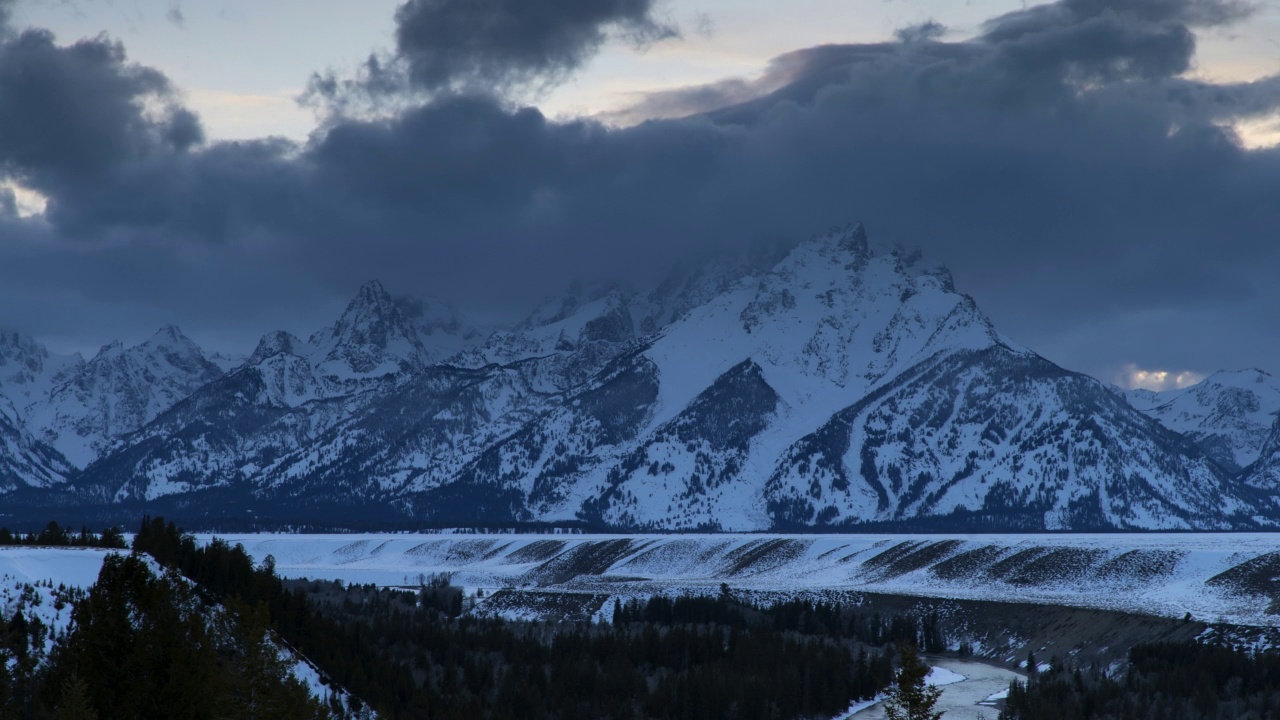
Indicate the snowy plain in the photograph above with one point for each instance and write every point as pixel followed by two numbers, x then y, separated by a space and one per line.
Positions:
pixel 1165 574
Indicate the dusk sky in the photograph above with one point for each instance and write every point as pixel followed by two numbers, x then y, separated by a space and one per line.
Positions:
pixel 1102 177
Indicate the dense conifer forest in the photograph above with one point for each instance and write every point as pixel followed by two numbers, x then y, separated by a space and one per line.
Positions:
pixel 54 535
pixel 1173 681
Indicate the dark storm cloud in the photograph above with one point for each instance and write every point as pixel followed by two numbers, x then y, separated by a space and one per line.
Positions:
pixel 70 113
pixel 1075 181
pixel 502 42
pixel 494 46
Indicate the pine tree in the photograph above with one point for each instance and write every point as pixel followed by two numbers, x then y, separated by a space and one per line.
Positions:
pixel 911 698
pixel 73 702
pixel 259 683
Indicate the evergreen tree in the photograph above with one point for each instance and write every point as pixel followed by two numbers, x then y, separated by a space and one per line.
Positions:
pixel 910 698
pixel 73 704
pixel 260 685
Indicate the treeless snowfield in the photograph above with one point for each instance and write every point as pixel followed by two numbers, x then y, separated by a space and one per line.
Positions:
pixel 73 567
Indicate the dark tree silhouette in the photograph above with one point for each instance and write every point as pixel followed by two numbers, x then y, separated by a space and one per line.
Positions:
pixel 910 698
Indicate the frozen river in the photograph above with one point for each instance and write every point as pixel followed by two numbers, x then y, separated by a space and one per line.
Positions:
pixel 960 700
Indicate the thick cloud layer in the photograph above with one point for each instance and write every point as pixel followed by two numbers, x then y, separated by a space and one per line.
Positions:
pixel 1083 189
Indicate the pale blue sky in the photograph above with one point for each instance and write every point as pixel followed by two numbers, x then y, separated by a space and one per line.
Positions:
pixel 242 63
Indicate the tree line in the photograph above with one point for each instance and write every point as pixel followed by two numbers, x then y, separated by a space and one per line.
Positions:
pixel 54 535
pixel 1177 681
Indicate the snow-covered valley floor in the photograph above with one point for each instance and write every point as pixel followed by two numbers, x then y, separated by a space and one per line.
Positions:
pixel 1226 577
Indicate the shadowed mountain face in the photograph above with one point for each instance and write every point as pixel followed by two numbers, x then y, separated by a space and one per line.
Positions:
pixel 1229 414
pixel 824 387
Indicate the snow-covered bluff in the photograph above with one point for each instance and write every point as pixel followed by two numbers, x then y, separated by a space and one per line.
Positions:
pixel 1229 414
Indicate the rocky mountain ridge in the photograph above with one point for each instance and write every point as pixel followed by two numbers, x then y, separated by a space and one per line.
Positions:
pixel 824 387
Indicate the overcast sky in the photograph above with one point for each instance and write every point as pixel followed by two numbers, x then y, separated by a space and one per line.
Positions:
pixel 1102 177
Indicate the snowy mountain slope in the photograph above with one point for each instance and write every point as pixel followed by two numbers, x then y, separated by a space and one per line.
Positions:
pixel 1009 437
pixel 541 464
pixel 416 437
pixel 827 324
pixel 1264 473
pixel 861 389
pixel 202 442
pixel 240 429
pixel 566 340
pixel 29 372
pixel 357 409
pixel 692 285
pixel 118 391
pixel 1228 413
pixel 24 460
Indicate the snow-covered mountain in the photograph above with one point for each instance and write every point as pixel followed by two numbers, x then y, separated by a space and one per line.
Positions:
pixel 824 386
pixel 118 391
pixel 80 408
pixel 1264 473
pixel 842 387
pixel 25 461
pixel 1228 413
pixel 29 372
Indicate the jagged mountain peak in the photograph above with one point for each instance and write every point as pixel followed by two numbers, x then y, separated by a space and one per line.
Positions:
pixel 380 334
pixel 18 348
pixel 28 369
pixel 171 340
pixel 372 338
pixel 170 332
pixel 853 238
pixel 823 382
pixel 372 303
pixel 120 389
pixel 167 350
pixel 371 293
pixel 110 349
pixel 275 343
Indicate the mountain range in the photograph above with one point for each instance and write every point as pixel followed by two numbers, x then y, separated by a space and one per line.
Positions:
pixel 822 386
